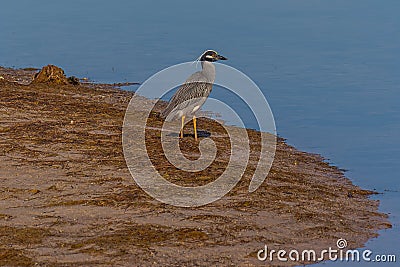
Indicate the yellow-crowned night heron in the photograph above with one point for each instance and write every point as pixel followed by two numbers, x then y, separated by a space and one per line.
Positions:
pixel 194 92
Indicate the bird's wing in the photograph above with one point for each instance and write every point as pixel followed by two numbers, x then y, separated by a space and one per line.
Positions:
pixel 196 86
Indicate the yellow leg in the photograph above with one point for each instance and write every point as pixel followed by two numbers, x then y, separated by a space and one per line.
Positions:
pixel 182 124
pixel 195 128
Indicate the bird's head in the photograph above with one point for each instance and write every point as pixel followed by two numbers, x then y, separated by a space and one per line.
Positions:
pixel 211 56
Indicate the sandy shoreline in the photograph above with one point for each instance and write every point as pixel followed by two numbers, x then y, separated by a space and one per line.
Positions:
pixel 67 198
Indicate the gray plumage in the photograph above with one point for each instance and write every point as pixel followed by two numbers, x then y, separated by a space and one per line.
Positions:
pixel 194 92
pixel 189 97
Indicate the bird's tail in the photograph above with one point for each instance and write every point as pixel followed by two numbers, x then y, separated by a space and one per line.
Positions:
pixel 169 114
pixel 164 113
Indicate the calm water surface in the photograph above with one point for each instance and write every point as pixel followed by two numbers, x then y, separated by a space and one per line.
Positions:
pixel 329 69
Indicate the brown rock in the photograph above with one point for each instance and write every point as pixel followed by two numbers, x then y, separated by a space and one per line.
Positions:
pixel 51 74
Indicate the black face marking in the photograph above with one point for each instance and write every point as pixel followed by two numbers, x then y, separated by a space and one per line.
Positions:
pixel 209 55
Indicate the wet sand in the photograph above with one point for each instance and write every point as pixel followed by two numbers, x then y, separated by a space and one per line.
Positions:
pixel 68 199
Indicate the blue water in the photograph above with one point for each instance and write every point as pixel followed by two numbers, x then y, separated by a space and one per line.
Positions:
pixel 329 69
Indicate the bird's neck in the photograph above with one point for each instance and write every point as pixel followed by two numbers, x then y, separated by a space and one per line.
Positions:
pixel 208 70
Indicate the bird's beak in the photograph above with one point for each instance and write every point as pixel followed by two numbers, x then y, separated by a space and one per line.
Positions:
pixel 219 57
